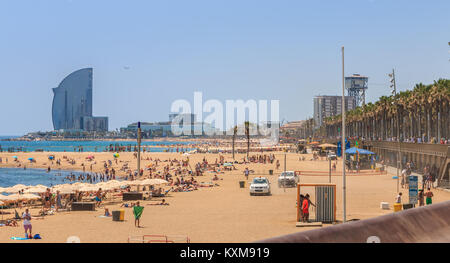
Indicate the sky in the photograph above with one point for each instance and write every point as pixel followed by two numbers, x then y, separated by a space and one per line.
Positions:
pixel 147 54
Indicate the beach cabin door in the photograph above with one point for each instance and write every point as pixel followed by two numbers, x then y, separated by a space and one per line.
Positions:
pixel 325 204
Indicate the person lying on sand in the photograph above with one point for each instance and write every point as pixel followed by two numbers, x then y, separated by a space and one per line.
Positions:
pixel 11 222
pixel 127 205
pixel 163 202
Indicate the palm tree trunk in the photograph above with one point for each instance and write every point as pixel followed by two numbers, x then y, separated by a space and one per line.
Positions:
pixel 234 137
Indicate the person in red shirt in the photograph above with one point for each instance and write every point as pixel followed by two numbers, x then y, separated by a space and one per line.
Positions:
pixel 305 208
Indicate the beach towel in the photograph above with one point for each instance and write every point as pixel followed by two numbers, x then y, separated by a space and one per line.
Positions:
pixel 18 238
pixel 137 211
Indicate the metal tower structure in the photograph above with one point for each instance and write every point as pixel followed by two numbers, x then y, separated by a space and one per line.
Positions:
pixel 356 86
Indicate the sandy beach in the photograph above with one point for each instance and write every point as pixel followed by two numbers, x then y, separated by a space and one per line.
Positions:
pixel 224 213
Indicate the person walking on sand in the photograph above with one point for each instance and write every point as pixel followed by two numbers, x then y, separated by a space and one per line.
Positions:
pixel 246 172
pixel 403 178
pixel 137 212
pixel 58 200
pixel 421 197
pixel 98 197
pixel 26 223
pixel 429 195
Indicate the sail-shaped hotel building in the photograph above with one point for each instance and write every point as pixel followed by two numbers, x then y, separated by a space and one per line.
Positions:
pixel 72 104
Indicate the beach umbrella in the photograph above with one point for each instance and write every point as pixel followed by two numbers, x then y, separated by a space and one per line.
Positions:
pixel 355 150
pixel 115 184
pixel 116 155
pixel 160 181
pixel 24 197
pixel 100 184
pixel 78 186
pixel 36 189
pixel 20 186
pixel 5 198
pixel 135 182
pixel 227 164
pixel 51 157
pixel 90 188
pixel 66 187
pixel 72 187
pixel 63 190
pixel 15 189
pixel 15 157
pixel 327 145
pixel 106 186
pixel 30 159
pixel 147 182
pixel 122 184
pixel 60 186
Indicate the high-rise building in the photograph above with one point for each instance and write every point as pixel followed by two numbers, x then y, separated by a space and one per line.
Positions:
pixel 327 106
pixel 72 104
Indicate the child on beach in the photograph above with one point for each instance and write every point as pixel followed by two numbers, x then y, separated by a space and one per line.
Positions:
pixel 398 199
pixel 137 212
pixel 107 212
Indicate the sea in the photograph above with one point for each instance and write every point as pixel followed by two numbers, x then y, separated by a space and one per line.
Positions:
pixel 32 176
pixel 88 146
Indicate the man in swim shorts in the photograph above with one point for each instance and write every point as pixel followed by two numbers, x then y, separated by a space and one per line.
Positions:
pixel 98 197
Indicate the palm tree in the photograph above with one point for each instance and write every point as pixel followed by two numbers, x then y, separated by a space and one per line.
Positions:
pixel 247 133
pixel 421 111
pixel 235 129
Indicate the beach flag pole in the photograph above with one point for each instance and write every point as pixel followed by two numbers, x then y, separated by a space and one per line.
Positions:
pixel 343 140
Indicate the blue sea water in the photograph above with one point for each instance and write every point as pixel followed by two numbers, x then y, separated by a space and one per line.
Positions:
pixel 31 176
pixel 88 146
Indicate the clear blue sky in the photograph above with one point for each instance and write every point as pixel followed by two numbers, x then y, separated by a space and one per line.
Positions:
pixel 246 49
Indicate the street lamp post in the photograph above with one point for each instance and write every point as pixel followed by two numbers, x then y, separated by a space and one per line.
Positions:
pixel 139 149
pixel 343 140
pixel 399 154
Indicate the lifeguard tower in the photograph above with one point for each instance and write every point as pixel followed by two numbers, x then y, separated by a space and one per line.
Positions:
pixel 356 86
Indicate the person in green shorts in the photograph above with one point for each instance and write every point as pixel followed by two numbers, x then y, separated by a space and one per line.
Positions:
pixel 429 196
pixel 137 212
